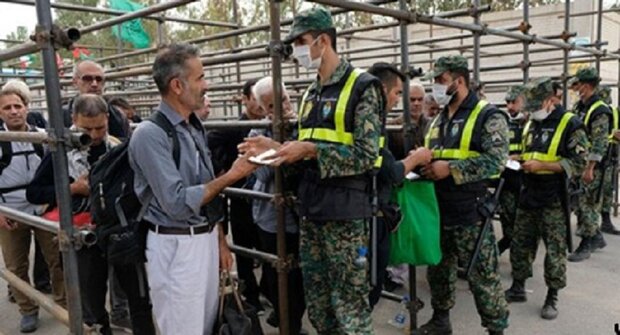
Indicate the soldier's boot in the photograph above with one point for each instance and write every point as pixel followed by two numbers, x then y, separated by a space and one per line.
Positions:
pixel 583 251
pixel 504 244
pixel 439 324
pixel 597 241
pixel 550 309
pixel 496 332
pixel 606 225
pixel 516 292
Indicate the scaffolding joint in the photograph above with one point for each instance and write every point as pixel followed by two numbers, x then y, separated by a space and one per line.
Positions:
pixel 60 38
pixel 566 35
pixel 524 27
pixel 279 49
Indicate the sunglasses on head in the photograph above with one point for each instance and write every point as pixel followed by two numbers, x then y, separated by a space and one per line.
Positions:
pixel 89 79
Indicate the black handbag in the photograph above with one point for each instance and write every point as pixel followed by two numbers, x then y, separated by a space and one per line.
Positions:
pixel 234 316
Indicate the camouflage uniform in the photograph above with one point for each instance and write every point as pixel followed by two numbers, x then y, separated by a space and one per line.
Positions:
pixel 337 288
pixel 608 188
pixel 536 220
pixel 510 193
pixel 589 208
pixel 458 235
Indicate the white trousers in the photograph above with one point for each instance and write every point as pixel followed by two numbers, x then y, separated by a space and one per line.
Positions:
pixel 183 274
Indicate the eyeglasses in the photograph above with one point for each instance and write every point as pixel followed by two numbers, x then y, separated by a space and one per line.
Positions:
pixel 89 79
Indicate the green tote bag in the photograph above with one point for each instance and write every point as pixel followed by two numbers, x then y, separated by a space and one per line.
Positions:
pixel 416 241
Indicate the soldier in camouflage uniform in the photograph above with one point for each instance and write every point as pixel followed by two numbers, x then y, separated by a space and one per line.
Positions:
pixel 469 140
pixel 608 186
pixel 510 192
pixel 337 147
pixel 597 118
pixel 555 148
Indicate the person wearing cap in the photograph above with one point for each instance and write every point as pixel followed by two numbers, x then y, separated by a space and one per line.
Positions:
pixel 510 192
pixel 608 187
pixel 598 120
pixel 391 172
pixel 469 140
pixel 336 151
pixel 555 148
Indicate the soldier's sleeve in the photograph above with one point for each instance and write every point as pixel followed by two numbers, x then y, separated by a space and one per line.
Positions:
pixel 598 137
pixel 577 149
pixel 340 160
pixel 495 141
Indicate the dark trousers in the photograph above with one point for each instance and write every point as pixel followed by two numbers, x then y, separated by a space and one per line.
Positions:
pixel 383 256
pixel 244 233
pixel 296 300
pixel 40 272
pixel 118 298
pixel 93 277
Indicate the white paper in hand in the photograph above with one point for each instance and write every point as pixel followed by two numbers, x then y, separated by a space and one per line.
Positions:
pixel 412 176
pixel 513 165
pixel 260 159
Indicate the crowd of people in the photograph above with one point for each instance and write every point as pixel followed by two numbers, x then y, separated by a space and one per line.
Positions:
pixel 329 160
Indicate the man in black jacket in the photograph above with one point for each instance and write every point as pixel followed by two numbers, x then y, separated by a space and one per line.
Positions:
pixel 223 146
pixel 88 77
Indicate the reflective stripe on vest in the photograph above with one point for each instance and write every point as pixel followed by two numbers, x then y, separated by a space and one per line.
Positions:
pixel 463 151
pixel 339 133
pixel 515 147
pixel 614 111
pixel 551 156
pixel 591 110
pixel 379 160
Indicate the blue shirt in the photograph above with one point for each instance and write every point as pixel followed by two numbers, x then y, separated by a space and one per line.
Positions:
pixel 177 193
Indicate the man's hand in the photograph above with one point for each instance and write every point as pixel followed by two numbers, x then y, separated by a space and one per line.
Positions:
pixel 255 146
pixel 80 186
pixel 421 156
pixel 436 170
pixel 242 167
pixel 6 223
pixel 291 152
pixel 532 165
pixel 617 135
pixel 588 175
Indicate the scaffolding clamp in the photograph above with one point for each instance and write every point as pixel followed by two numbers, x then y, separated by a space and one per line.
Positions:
pixel 565 35
pixel 278 48
pixel 60 38
pixel 525 27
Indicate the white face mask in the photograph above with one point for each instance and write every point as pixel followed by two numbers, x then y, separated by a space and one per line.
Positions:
pixel 539 115
pixel 440 94
pixel 302 54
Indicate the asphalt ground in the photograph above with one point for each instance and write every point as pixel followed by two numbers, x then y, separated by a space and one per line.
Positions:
pixel 589 305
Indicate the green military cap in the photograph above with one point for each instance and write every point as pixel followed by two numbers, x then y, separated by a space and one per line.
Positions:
pixel 536 91
pixel 605 94
pixel 585 75
pixel 314 19
pixel 514 92
pixel 445 64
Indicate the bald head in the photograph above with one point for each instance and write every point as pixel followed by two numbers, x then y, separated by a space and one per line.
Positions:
pixel 416 98
pixel 88 77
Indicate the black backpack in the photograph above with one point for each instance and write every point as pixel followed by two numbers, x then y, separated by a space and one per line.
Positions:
pixel 115 208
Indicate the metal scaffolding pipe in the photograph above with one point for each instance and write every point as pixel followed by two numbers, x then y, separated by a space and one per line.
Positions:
pixel 61 172
pixel 251 253
pixel 526 45
pixel 31 220
pixel 57 311
pixel 241 192
pixel 599 34
pixel 96 10
pixel 476 61
pixel 566 54
pixel 413 17
pixel 133 15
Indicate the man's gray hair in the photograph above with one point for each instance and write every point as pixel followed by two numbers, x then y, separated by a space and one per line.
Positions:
pixel 170 64
pixel 415 84
pixel 89 105
pixel 265 86
pixel 76 67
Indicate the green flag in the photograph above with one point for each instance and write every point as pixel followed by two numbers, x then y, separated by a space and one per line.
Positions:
pixel 132 30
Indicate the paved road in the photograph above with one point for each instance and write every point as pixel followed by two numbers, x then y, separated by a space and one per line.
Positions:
pixel 590 304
